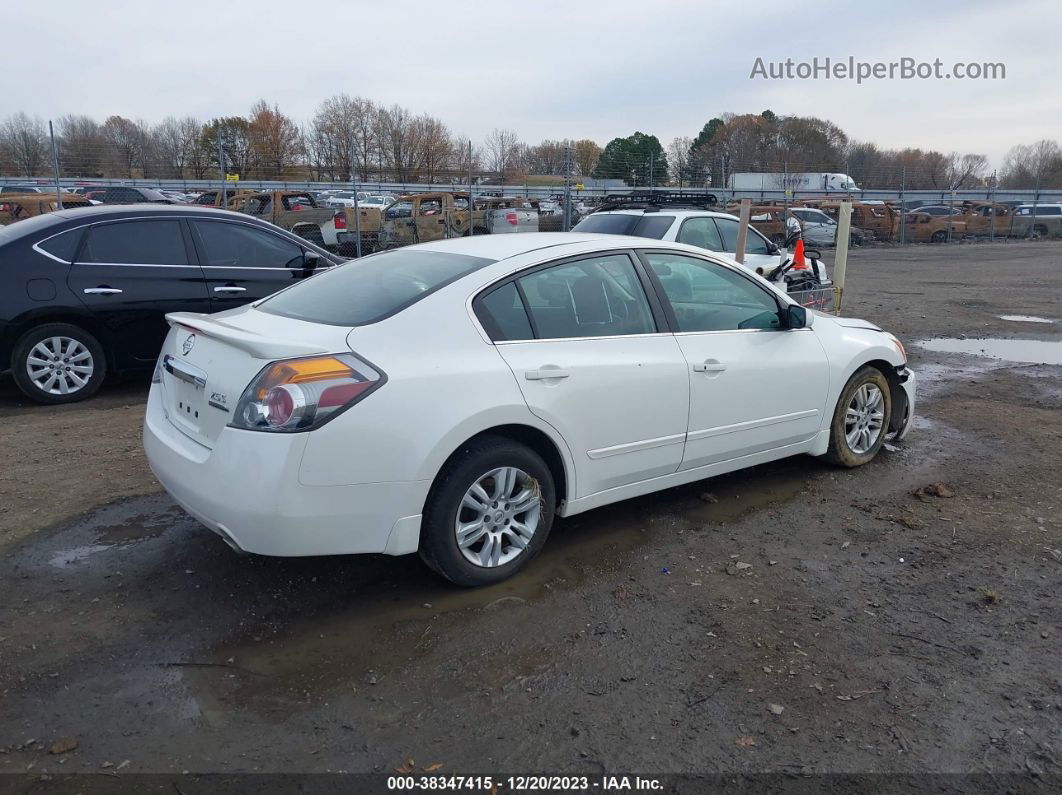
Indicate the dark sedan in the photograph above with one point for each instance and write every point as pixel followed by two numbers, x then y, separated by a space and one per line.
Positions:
pixel 83 292
pixel 125 194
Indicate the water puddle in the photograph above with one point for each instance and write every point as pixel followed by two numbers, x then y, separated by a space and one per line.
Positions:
pixel 1025 319
pixel 1010 350
pixel 68 557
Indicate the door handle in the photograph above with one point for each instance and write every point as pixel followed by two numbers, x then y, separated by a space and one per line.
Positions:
pixel 547 373
pixel 101 291
pixel 230 289
pixel 709 366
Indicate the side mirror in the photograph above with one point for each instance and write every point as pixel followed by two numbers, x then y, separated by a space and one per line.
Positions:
pixel 310 260
pixel 796 316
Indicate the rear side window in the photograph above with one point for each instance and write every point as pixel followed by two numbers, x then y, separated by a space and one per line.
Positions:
pixel 594 297
pixel 701 232
pixel 371 289
pixel 650 225
pixel 63 246
pixel 136 243
pixel 754 242
pixel 503 316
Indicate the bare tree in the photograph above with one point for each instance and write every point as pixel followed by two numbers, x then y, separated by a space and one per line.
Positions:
pixel 1033 165
pixel 501 149
pixel 344 137
pixel 678 157
pixel 124 143
pixel 80 146
pixel 26 144
pixel 436 146
pixel 399 139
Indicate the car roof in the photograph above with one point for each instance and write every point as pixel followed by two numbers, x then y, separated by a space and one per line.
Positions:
pixel 102 211
pixel 501 247
pixel 666 211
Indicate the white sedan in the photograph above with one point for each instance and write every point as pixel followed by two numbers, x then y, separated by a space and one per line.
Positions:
pixel 452 398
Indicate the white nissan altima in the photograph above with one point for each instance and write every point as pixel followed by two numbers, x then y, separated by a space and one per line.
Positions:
pixel 452 398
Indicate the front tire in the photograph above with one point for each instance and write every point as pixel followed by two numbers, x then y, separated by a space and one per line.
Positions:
pixel 58 363
pixel 861 419
pixel 488 513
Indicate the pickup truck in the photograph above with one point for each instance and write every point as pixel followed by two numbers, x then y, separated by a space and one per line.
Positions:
pixel 296 211
pixel 420 217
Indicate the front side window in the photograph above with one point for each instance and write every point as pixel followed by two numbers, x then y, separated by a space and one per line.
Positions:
pixel 223 244
pixel 595 297
pixel 705 296
pixel 402 209
pixel 755 243
pixel 136 243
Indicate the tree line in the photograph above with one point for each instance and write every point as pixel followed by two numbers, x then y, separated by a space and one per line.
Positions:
pixel 356 138
pixel 347 138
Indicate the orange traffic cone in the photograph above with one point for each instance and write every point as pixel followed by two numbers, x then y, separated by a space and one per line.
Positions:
pixel 798 256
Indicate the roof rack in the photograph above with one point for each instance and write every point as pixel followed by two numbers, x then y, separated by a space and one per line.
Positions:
pixel 652 201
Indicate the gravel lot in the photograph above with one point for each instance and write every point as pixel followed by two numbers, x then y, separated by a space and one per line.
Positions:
pixel 873 630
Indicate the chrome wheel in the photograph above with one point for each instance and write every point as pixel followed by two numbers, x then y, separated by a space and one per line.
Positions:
pixel 60 365
pixel 499 515
pixel 864 419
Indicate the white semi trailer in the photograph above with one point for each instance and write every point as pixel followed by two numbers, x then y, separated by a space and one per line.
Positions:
pixel 811 181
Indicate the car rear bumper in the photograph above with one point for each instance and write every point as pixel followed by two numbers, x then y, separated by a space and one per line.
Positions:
pixel 246 489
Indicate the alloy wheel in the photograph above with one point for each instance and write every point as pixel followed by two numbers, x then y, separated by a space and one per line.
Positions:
pixel 864 419
pixel 60 365
pixel 498 517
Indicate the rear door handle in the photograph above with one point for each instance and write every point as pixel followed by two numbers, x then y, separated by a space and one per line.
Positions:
pixel 709 366
pixel 101 291
pixel 546 373
pixel 230 289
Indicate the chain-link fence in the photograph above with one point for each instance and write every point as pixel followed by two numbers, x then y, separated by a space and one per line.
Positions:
pixel 562 182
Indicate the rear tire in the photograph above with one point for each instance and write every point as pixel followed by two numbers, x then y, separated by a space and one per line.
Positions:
pixel 58 363
pixel 495 495
pixel 940 236
pixel 861 419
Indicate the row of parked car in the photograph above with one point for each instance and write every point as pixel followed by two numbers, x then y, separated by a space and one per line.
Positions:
pixel 888 221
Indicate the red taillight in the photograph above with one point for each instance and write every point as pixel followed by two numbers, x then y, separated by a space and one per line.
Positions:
pixel 342 394
pixel 301 394
pixel 511 218
pixel 341 220
pixel 5 208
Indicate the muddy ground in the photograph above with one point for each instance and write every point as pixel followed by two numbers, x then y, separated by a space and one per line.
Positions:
pixel 873 630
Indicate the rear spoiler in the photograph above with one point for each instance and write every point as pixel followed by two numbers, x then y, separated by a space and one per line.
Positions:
pixel 258 346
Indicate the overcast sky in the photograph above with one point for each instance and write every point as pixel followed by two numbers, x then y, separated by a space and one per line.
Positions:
pixel 547 69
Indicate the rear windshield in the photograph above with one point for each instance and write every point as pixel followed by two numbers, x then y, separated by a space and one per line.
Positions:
pixel 370 289
pixel 654 226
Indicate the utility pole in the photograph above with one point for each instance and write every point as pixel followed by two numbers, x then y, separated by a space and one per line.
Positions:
pixel 903 204
pixel 567 186
pixel 221 167
pixel 470 204
pixel 55 165
pixel 357 212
